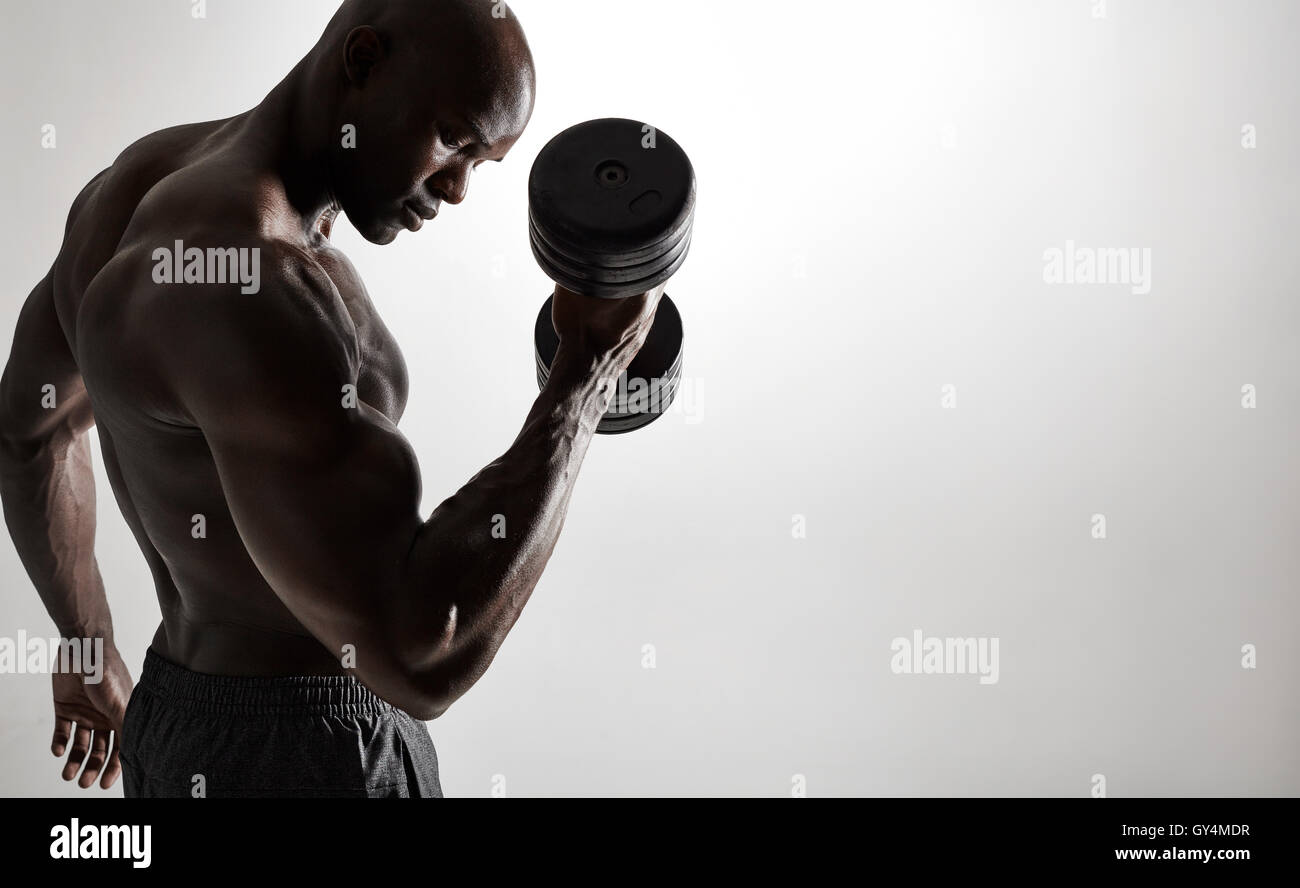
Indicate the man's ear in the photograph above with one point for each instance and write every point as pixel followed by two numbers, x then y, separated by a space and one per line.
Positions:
pixel 362 53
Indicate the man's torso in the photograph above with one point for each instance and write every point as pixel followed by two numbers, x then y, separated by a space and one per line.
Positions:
pixel 193 185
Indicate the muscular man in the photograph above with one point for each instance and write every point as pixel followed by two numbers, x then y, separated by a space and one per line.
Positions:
pixel 309 615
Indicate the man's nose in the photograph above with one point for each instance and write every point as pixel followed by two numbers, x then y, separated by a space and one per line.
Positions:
pixel 453 183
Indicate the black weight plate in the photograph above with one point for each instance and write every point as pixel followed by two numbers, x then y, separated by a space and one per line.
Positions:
pixel 586 213
pixel 576 254
pixel 628 257
pixel 610 282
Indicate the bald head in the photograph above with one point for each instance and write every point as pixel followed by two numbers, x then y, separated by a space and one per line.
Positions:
pixel 477 38
pixel 432 89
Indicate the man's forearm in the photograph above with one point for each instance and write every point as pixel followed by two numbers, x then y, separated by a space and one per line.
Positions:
pixel 48 489
pixel 495 536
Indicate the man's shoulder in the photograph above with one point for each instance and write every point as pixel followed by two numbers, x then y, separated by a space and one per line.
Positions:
pixel 183 272
pixel 233 280
pixel 116 192
pixel 213 308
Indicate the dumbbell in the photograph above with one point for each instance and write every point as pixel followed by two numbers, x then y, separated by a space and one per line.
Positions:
pixel 611 204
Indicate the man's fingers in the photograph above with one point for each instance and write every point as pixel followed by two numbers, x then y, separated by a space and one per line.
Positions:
pixel 62 730
pixel 113 769
pixel 80 746
pixel 98 755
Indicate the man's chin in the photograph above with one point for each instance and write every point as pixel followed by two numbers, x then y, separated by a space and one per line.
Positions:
pixel 380 234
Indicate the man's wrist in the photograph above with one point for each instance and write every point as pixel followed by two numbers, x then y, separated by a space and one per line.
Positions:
pixel 89 628
pixel 583 382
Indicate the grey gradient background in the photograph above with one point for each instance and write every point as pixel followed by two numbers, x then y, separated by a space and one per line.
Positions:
pixel 878 182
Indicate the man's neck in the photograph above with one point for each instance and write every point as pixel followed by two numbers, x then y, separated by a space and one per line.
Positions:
pixel 290 128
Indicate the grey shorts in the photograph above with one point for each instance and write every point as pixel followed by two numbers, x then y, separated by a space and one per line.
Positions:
pixel 194 736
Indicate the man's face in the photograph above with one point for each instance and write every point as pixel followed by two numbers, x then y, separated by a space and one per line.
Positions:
pixel 417 142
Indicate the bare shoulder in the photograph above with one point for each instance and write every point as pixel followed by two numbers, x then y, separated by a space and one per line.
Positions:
pixel 188 314
pixel 188 277
pixel 143 164
pixel 105 207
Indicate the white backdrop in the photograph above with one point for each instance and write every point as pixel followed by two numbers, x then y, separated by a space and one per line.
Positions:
pixel 879 183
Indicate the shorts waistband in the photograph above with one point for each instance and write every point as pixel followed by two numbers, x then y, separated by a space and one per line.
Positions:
pixel 215 694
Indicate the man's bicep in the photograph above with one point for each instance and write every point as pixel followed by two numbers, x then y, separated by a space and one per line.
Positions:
pixel 323 489
pixel 327 509
pixel 41 392
pixel 42 395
